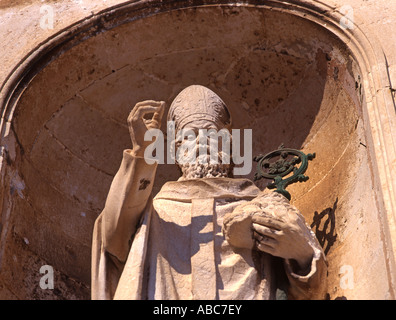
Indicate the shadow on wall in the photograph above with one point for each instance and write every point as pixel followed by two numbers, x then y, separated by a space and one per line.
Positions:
pixel 326 234
pixel 323 224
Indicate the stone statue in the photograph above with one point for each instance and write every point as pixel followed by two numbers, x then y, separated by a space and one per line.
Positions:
pixel 207 235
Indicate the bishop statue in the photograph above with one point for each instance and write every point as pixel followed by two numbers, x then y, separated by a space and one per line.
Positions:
pixel 205 236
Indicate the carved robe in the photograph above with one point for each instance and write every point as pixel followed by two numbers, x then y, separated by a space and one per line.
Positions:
pixel 178 250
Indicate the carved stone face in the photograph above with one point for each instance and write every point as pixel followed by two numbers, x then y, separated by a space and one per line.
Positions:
pixel 195 108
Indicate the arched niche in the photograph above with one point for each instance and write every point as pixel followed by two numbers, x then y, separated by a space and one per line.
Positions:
pixel 287 70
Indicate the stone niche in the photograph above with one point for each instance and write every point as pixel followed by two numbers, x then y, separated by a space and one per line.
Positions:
pixel 285 77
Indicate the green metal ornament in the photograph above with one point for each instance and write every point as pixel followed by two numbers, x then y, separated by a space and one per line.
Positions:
pixel 283 167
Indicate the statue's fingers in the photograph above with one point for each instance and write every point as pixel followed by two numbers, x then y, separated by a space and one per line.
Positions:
pixel 137 107
pixel 140 113
pixel 148 103
pixel 160 112
pixel 258 237
pixel 155 122
pixel 264 239
pixel 270 222
pixel 266 248
pixel 144 107
pixel 266 231
pixel 151 124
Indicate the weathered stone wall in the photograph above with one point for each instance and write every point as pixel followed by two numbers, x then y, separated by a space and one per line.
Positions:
pixel 288 79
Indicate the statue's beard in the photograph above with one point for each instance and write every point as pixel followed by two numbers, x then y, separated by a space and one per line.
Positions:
pixel 202 168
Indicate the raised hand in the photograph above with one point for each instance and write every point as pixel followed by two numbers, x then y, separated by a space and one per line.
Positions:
pixel 144 116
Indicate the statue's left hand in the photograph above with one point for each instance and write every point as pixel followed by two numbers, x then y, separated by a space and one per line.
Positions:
pixel 283 238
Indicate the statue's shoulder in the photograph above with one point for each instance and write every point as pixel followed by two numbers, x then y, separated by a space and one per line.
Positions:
pixel 184 189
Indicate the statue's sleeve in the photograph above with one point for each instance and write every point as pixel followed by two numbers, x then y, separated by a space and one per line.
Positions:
pixel 115 227
pixel 311 284
pixel 128 196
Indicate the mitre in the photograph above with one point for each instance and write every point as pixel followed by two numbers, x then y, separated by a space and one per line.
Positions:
pixel 198 103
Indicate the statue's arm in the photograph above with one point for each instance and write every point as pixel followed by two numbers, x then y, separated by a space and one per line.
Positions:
pixel 128 196
pixel 132 185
